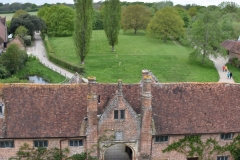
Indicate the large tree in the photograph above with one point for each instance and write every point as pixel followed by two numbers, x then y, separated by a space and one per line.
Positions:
pixel 83 27
pixel 166 23
pixel 135 17
pixel 205 34
pixel 19 12
pixel 30 22
pixel 111 21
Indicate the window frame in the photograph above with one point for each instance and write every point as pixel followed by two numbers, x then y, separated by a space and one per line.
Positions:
pixel 122 114
pixel 1 109
pixel 10 143
pixel 222 157
pixel 40 141
pixel 119 114
pixel 226 136
pixel 116 114
pixel 76 140
pixel 161 139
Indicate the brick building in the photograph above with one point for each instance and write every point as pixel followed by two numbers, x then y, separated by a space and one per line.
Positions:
pixel 127 121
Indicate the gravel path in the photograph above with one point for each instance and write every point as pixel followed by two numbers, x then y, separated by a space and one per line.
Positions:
pixel 219 62
pixel 39 51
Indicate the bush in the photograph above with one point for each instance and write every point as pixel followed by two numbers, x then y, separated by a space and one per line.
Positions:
pixel 14 58
pixel 27 40
pixel 4 72
pixel 58 61
pixel 235 62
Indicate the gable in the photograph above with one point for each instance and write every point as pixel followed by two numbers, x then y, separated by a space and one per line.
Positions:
pixel 129 126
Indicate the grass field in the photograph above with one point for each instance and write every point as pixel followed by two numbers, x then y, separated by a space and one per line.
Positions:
pixel 168 61
pixel 9 15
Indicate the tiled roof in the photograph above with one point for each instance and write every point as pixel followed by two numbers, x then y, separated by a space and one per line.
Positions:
pixel 43 110
pixel 59 110
pixel 232 45
pixel 3 32
pixel 189 108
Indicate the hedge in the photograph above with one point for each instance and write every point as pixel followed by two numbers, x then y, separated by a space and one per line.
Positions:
pixel 58 61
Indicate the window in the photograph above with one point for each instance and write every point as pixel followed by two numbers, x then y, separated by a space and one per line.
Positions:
pixel 75 142
pixel 6 144
pixel 122 114
pixel 115 114
pixel 119 135
pixel 161 138
pixel 1 109
pixel 41 143
pixel 227 136
pixel 222 158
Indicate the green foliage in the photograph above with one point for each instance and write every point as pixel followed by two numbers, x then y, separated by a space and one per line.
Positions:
pixel 194 146
pixel 205 34
pixel 32 153
pixel 135 17
pixel 14 58
pixel 59 61
pixel 83 27
pixel 21 31
pixel 163 4
pixel 184 15
pixel 111 21
pixel 59 19
pixel 30 22
pixel 81 156
pixel 192 11
pixel 166 23
pixel 27 40
pixel 3 72
pixel 97 21
pixel 19 12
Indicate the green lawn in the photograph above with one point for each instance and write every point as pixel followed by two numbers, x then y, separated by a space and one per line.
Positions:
pixel 9 15
pixel 168 61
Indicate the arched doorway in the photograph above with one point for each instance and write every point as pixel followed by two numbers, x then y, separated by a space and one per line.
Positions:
pixel 118 152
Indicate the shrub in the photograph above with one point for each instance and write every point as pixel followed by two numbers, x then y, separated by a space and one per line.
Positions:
pixel 14 58
pixel 58 61
pixel 27 40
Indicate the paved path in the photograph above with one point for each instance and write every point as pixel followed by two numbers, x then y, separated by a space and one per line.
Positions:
pixel 39 51
pixel 219 62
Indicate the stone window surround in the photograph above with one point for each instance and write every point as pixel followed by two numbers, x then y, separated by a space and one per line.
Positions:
pixel 226 136
pixel 222 157
pixel 78 143
pixel 2 107
pixel 119 114
pixel 41 140
pixel 159 139
pixel 2 140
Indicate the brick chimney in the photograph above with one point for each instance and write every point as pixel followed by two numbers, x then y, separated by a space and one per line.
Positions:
pixel 146 115
pixel 119 93
pixel 92 124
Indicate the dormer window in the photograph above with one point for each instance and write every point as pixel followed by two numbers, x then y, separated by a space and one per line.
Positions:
pixel 117 112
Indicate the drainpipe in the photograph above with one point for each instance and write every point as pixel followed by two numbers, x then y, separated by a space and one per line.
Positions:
pixel 60 143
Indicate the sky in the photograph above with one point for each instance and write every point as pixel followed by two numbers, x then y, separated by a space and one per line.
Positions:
pixel 182 2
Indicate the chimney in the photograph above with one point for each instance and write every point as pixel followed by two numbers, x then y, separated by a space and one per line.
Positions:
pixel 146 115
pixel 92 124
pixel 119 93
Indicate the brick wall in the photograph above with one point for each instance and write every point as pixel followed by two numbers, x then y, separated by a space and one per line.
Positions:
pixel 157 148
pixel 6 153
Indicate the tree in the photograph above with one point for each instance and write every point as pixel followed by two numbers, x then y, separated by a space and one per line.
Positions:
pixel 111 21
pixel 83 27
pixel 192 11
pixel 42 12
pixel 184 15
pixel 59 20
pixel 166 23
pixel 21 31
pixel 14 58
pixel 19 12
pixel 163 4
pixel 205 35
pixel 135 17
pixel 30 22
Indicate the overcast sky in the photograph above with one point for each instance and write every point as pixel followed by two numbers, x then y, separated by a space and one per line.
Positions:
pixel 182 2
